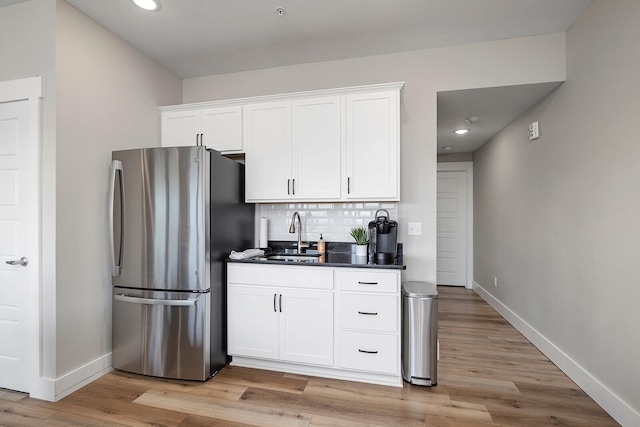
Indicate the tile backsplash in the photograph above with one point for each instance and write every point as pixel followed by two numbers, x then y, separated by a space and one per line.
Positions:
pixel 333 220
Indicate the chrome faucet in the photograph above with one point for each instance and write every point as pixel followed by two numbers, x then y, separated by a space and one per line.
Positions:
pixel 292 229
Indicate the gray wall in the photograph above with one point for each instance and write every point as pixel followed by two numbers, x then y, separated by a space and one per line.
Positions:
pixel 108 98
pixel 557 220
pixel 27 49
pixel 425 72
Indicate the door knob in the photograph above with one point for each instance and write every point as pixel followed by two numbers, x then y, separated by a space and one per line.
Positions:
pixel 22 261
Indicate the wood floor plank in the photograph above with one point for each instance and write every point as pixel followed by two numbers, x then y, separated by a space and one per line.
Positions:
pixel 270 380
pixel 11 395
pixel 226 411
pixel 217 389
pixel 364 410
pixel 65 420
pixel 13 413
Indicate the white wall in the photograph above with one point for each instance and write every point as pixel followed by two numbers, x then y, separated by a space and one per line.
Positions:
pixel 108 98
pixel 27 49
pixel 425 72
pixel 557 220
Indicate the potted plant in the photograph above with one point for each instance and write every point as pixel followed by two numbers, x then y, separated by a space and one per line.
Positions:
pixel 359 234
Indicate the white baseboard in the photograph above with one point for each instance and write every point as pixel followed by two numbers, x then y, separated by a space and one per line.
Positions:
pixel 54 390
pixel 599 392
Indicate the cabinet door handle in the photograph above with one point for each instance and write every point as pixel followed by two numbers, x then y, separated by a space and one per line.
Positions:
pixel 349 185
pixel 280 304
pixel 289 186
pixel 293 186
pixel 274 303
pixel 367 283
pixel 368 351
pixel 366 313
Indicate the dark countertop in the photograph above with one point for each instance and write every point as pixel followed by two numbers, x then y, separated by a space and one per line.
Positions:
pixel 336 255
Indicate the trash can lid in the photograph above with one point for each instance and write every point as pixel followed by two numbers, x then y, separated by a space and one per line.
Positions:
pixel 419 289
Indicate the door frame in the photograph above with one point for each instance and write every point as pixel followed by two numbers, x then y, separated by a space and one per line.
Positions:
pixel 467 168
pixel 32 90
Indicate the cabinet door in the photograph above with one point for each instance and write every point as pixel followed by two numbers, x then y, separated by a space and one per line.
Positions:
pixel 222 128
pixel 252 321
pixel 179 128
pixel 306 327
pixel 316 143
pixel 373 146
pixel 267 132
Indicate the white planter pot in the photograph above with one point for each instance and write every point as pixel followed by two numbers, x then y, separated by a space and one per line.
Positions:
pixel 361 250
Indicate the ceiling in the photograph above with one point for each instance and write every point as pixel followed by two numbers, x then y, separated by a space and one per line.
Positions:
pixel 488 110
pixel 196 38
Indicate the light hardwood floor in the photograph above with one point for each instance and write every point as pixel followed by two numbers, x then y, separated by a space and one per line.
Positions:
pixel 488 374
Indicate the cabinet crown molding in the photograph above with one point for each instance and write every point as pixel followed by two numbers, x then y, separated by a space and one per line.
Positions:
pixel 289 96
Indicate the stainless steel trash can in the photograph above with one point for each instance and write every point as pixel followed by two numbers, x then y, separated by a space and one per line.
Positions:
pixel 420 333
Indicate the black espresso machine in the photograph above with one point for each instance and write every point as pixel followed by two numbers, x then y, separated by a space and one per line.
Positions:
pixel 383 238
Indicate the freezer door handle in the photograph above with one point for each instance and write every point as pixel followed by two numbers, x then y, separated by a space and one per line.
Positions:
pixel 155 301
pixel 116 261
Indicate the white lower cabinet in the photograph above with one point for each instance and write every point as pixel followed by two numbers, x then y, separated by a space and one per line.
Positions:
pixel 366 351
pixel 369 320
pixel 253 321
pixel 306 326
pixel 281 324
pixel 333 322
pixel 274 313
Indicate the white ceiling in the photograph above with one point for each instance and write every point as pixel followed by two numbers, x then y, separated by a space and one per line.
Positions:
pixel 204 37
pixel 493 108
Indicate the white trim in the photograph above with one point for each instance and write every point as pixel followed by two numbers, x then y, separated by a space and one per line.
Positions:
pixel 319 371
pixel 620 410
pixel 468 168
pixel 31 90
pixel 288 96
pixel 76 379
pixel 18 90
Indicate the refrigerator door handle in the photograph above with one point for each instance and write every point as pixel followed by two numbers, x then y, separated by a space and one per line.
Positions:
pixel 116 261
pixel 155 301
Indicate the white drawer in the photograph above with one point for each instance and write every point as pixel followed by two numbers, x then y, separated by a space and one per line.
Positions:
pixel 267 275
pixel 364 351
pixel 372 312
pixel 362 280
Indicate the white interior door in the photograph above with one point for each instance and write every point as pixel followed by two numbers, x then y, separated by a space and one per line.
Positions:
pixel 16 234
pixel 453 228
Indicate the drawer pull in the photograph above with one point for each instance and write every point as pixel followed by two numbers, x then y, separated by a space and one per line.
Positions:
pixel 368 351
pixel 367 283
pixel 367 313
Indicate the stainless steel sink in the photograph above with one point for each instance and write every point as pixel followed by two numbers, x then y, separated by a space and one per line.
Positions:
pixel 294 257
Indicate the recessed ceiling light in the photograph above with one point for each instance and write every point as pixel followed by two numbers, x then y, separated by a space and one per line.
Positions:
pixel 147 4
pixel 460 131
pixel 447 148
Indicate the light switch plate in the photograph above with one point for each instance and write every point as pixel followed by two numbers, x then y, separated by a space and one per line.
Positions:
pixel 415 228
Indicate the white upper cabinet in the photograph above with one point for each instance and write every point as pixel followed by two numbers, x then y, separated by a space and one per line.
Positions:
pixel 321 146
pixel 180 128
pixel 316 157
pixel 219 128
pixel 268 151
pixel 373 146
pixel 293 150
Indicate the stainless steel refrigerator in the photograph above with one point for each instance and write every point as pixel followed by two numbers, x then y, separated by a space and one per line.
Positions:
pixel 175 214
